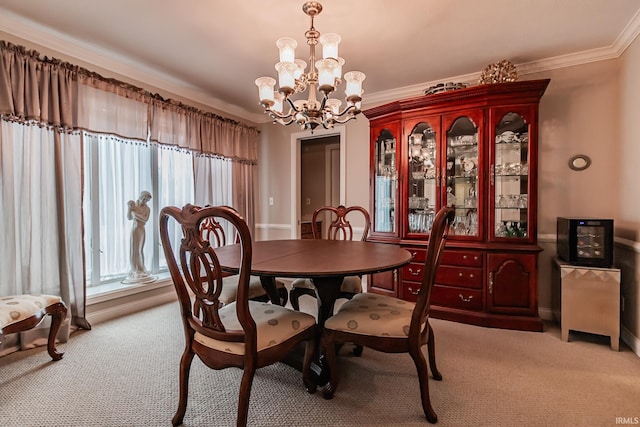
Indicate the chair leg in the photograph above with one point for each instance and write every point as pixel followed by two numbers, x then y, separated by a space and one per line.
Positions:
pixel 245 394
pixel 296 293
pixel 58 313
pixel 431 348
pixel 423 378
pixel 329 350
pixel 185 367
pixel 307 378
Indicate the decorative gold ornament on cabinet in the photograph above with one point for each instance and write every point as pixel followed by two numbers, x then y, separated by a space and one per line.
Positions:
pixel 500 72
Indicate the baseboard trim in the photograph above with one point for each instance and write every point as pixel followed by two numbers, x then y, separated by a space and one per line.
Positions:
pixel 629 339
pixel 103 314
pixel 545 313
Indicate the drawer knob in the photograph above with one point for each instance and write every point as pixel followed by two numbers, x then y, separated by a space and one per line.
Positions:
pixel 468 299
pixel 415 273
pixel 412 291
pixel 464 257
pixel 471 276
pixel 459 274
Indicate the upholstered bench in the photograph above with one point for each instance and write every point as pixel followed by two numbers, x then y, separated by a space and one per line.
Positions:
pixel 19 313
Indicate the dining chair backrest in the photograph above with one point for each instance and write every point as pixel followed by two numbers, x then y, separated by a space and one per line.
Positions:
pixel 199 273
pixel 340 227
pixel 435 248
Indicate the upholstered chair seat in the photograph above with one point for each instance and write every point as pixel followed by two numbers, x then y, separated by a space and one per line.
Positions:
pixel 271 324
pixel 372 314
pixel 256 290
pixel 20 313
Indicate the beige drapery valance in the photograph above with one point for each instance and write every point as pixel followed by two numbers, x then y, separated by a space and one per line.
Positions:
pixel 47 90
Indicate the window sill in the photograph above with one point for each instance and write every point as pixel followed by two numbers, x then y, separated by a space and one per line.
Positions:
pixel 110 291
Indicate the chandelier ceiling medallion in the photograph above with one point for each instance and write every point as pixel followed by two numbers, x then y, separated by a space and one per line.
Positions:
pixel 325 74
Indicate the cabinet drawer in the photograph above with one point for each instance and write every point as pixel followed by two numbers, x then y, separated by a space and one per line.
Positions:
pixel 467 277
pixel 466 259
pixel 466 299
pixel 409 290
pixel 413 272
pixel 419 254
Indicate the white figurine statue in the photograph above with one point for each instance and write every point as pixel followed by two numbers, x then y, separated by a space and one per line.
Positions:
pixel 138 211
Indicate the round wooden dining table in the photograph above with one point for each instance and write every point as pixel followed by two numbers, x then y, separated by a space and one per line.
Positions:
pixel 327 262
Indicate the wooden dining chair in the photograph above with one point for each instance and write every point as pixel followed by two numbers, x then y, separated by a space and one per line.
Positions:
pixel 245 334
pixel 213 232
pixel 339 228
pixel 392 325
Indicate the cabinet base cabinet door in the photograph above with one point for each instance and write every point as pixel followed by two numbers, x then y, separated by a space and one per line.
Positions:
pixel 512 284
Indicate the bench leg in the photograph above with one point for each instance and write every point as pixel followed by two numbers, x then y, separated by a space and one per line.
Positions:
pixel 58 313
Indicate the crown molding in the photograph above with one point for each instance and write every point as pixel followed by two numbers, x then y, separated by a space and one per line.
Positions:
pixel 35 33
pixel 56 41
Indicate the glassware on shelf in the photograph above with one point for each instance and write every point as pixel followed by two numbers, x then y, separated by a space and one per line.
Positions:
pixel 472 200
pixel 472 228
pixel 460 226
pixel 523 201
pixel 451 198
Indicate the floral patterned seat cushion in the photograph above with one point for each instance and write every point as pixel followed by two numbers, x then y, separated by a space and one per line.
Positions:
pixel 15 308
pixel 274 324
pixel 371 314
pixel 229 290
pixel 351 284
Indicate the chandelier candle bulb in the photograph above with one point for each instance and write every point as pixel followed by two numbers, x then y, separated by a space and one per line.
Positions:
pixel 330 42
pixel 338 70
pixel 301 66
pixel 333 105
pixel 354 85
pixel 265 90
pixel 277 102
pixel 326 74
pixel 286 76
pixel 287 47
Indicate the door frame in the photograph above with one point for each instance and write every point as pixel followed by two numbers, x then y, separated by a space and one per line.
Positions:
pixel 296 142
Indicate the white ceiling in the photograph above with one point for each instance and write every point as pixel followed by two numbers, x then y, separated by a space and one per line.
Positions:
pixel 212 50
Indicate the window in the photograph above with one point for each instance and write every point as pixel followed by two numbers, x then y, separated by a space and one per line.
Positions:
pixel 116 171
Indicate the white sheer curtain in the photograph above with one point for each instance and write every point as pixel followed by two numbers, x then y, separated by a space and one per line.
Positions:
pixel 41 219
pixel 123 171
pixel 175 187
pixel 213 183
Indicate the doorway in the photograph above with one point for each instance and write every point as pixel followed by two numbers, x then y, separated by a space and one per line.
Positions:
pixel 317 174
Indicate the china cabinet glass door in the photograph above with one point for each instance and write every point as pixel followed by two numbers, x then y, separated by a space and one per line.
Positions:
pixel 462 184
pixel 510 176
pixel 423 175
pixel 385 187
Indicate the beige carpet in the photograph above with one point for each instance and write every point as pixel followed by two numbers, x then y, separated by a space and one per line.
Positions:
pixel 124 373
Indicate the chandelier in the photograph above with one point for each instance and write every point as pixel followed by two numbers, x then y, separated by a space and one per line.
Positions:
pixel 325 74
